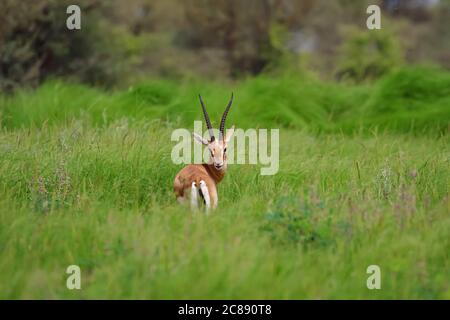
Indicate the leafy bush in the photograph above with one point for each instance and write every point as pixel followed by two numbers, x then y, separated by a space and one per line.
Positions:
pixel 294 220
pixel 367 55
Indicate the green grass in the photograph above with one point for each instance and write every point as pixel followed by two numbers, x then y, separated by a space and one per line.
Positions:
pixel 86 179
pixel 414 99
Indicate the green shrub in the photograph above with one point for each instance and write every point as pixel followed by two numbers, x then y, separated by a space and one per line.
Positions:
pixel 294 221
pixel 368 54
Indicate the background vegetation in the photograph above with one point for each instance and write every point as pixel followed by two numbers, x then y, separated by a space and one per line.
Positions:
pixel 121 43
pixel 86 175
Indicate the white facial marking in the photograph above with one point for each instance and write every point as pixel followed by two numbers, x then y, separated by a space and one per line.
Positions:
pixel 217 154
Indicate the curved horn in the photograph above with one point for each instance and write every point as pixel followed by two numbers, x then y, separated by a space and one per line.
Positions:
pixel 224 117
pixel 208 122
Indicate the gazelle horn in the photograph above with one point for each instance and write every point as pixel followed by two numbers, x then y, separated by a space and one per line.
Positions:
pixel 224 117
pixel 208 122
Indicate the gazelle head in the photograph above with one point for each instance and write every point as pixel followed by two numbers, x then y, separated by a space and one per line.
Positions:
pixel 217 147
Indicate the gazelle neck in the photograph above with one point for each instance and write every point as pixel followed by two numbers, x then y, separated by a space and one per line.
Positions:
pixel 217 175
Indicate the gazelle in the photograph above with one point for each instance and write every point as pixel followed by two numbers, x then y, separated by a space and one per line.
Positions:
pixel 200 180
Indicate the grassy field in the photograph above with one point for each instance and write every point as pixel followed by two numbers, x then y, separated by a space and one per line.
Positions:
pixel 86 179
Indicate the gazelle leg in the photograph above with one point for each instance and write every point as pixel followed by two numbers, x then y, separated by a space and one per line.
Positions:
pixel 216 201
pixel 194 199
pixel 213 196
pixel 205 193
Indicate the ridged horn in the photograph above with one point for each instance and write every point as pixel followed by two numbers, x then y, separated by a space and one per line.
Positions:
pixel 208 122
pixel 224 117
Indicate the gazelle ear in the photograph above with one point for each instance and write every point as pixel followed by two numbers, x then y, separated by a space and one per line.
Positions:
pixel 229 134
pixel 200 139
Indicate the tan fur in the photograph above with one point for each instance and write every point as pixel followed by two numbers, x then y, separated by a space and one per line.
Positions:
pixel 196 173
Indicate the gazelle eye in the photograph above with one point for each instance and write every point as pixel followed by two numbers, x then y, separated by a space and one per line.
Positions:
pixel 225 150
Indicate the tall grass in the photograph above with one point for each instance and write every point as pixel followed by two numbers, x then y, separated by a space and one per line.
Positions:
pixel 414 99
pixel 86 179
